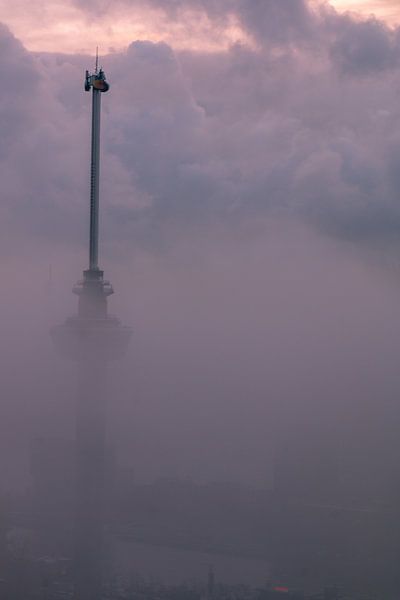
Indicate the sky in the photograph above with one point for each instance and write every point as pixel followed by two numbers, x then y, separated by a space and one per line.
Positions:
pixel 250 217
pixel 75 26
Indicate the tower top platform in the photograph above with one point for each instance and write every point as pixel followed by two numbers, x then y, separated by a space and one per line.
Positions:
pixel 97 81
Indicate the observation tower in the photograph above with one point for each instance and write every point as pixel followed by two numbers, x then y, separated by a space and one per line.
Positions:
pixel 92 338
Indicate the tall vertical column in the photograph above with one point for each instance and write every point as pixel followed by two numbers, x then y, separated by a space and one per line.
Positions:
pixel 92 338
pixel 94 181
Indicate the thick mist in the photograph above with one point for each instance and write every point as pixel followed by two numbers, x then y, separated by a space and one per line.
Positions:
pixel 245 337
pixel 249 226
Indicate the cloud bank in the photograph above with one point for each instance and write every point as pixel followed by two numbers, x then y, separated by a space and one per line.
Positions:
pixel 304 123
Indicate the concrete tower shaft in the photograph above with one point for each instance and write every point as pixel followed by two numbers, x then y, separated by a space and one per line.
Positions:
pixel 98 84
pixel 94 182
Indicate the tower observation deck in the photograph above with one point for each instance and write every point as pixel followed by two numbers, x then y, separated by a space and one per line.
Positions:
pixel 92 338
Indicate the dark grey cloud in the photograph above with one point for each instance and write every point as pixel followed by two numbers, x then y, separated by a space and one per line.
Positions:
pixel 20 81
pixel 267 20
pixel 279 22
pixel 364 47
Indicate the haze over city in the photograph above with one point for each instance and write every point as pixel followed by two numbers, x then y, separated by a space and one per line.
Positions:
pixel 249 223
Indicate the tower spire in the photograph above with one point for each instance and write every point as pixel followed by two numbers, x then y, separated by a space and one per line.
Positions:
pixel 92 338
pixel 97 83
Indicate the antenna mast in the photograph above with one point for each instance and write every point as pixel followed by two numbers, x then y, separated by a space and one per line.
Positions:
pixel 98 84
